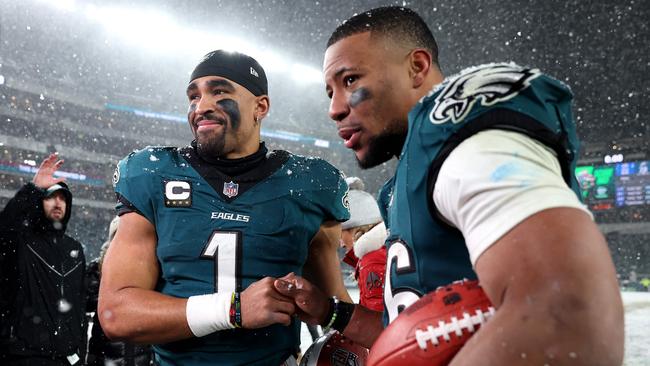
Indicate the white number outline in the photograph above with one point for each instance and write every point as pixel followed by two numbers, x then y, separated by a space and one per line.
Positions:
pixel 224 249
pixel 400 258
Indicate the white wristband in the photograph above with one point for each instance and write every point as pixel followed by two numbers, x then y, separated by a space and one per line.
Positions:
pixel 208 313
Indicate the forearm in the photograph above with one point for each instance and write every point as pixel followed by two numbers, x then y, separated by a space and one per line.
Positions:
pixel 330 282
pixel 364 326
pixel 527 337
pixel 143 316
pixel 558 300
pixel 323 266
pixel 565 319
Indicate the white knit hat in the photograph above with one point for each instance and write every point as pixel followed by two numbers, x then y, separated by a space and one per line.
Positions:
pixel 363 207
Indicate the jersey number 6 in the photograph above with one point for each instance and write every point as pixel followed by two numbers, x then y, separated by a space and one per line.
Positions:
pixel 399 261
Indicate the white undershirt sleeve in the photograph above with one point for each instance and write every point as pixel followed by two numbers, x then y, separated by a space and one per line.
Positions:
pixel 493 181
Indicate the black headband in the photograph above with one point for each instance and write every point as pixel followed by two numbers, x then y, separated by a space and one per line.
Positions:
pixel 234 66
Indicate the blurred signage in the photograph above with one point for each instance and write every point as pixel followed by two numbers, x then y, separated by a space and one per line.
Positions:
pixel 17 168
pixel 609 186
pixel 278 134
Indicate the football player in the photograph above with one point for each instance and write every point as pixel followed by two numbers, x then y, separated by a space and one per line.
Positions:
pixel 484 188
pixel 205 229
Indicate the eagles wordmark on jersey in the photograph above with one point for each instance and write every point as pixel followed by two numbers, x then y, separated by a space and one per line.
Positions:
pixel 218 233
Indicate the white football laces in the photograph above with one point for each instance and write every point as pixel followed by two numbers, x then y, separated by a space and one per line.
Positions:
pixel 470 322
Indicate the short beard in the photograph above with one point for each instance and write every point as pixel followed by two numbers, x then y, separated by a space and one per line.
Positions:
pixel 382 148
pixel 215 148
pixel 212 148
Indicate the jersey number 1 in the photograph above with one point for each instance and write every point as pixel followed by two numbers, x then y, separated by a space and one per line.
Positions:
pixel 224 248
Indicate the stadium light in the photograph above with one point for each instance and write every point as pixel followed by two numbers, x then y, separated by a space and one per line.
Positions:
pixel 270 61
pixel 616 158
pixel 306 74
pixel 65 5
pixel 149 28
pixel 143 27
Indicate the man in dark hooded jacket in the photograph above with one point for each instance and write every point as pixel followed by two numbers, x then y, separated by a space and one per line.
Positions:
pixel 42 291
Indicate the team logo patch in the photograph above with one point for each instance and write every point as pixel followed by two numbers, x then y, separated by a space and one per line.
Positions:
pixel 490 84
pixel 178 193
pixel 230 189
pixel 343 357
pixel 373 281
pixel 346 200
pixel 116 175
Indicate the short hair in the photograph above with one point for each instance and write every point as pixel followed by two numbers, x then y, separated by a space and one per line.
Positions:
pixel 397 22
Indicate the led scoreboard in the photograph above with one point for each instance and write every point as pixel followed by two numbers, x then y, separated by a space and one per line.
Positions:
pixel 617 185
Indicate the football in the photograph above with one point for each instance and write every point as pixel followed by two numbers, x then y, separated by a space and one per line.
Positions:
pixel 334 349
pixel 434 328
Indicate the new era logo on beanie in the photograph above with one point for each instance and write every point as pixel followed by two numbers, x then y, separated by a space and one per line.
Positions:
pixel 234 66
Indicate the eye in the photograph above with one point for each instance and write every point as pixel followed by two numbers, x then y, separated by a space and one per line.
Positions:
pixel 349 80
pixel 193 97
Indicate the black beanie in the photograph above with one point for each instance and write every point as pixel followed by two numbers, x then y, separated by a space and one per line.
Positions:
pixel 235 66
pixel 58 187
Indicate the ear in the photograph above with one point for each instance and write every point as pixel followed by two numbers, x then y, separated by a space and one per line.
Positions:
pixel 262 106
pixel 420 65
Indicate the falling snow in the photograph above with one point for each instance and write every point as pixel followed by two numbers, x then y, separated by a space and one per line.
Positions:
pixel 97 92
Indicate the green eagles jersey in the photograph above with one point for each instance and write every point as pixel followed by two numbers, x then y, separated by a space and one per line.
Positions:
pixel 214 237
pixel 424 252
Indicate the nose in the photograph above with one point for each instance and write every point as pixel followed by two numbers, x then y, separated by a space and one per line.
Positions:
pixel 205 105
pixel 339 108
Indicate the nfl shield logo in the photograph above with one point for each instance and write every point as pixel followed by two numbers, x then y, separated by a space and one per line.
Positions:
pixel 230 189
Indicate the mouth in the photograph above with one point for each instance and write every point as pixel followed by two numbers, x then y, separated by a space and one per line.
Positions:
pixel 350 136
pixel 205 123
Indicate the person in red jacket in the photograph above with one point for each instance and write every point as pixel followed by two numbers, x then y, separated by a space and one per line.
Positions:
pixel 363 235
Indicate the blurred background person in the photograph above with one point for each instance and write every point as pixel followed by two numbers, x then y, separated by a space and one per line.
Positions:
pixel 42 285
pixel 363 237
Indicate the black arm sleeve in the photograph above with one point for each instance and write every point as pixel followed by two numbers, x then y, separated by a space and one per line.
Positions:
pixel 27 204
pixel 24 207
pixel 124 206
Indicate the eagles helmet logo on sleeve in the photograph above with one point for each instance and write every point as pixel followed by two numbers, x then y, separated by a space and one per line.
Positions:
pixel 346 200
pixel 116 175
pixel 490 84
